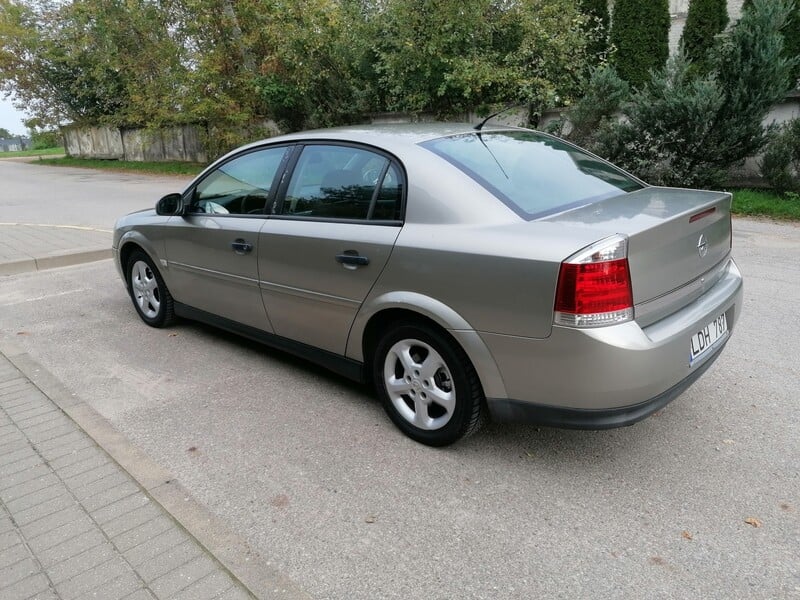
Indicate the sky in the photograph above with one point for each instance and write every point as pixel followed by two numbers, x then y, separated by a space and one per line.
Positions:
pixel 11 118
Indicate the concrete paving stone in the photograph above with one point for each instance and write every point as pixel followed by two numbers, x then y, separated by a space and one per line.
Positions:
pixel 12 555
pixel 9 539
pixel 18 571
pixel 121 587
pixel 130 520
pixel 43 509
pixel 84 466
pixel 22 414
pixel 236 593
pixel 92 488
pixel 120 507
pixel 50 417
pixel 32 500
pixel 77 564
pixel 53 521
pixel 81 583
pixel 140 595
pixel 20 465
pixel 72 442
pixel 143 533
pixel 173 582
pixel 70 547
pixel 18 454
pixel 109 496
pixel 10 387
pixel 22 590
pixel 22 477
pixel 29 488
pixel 207 588
pixel 47 594
pixel 60 534
pixel 41 430
pixel 174 558
pixel 76 456
pixel 157 546
pixel 11 440
pixel 5 522
pixel 50 433
pixel 17 403
pixel 90 476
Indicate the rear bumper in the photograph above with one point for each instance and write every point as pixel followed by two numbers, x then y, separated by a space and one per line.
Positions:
pixel 610 376
pixel 518 411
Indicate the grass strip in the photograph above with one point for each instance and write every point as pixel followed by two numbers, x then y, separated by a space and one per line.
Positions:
pixel 766 203
pixel 156 168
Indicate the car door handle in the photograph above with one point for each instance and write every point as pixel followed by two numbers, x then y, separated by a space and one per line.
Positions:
pixel 352 259
pixel 241 246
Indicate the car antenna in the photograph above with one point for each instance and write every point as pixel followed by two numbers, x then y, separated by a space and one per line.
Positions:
pixel 480 125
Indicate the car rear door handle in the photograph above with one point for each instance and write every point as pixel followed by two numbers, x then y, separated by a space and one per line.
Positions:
pixel 352 259
pixel 241 246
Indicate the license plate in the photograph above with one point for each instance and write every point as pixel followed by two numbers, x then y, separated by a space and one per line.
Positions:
pixel 707 337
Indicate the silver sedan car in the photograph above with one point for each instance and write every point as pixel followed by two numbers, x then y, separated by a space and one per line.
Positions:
pixel 466 272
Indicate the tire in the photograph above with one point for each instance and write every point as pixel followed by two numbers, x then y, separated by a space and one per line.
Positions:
pixel 149 293
pixel 428 385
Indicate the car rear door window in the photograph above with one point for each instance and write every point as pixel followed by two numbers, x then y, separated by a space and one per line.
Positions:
pixel 343 182
pixel 240 186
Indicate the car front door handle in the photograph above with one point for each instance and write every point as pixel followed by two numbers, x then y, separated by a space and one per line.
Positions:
pixel 241 246
pixel 355 260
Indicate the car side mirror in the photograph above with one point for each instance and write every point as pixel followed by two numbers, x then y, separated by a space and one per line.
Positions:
pixel 169 205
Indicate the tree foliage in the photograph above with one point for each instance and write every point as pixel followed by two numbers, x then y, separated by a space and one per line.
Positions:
pixel 705 20
pixel 640 34
pixel 302 63
pixel 780 165
pixel 597 27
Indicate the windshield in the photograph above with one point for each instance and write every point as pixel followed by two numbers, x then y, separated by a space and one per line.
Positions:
pixel 534 174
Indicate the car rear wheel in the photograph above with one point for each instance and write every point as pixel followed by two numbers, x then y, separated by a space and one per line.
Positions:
pixel 427 385
pixel 149 293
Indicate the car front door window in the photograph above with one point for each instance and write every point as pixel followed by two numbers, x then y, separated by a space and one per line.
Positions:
pixel 241 186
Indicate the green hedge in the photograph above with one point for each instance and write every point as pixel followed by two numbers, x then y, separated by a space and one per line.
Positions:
pixel 640 33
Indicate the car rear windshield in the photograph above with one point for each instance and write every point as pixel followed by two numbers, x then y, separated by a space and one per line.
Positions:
pixel 534 174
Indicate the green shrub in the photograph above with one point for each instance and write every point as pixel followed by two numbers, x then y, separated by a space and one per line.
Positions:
pixel 780 165
pixel 640 34
pixel 706 19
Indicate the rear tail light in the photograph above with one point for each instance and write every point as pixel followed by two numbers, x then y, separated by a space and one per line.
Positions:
pixel 594 286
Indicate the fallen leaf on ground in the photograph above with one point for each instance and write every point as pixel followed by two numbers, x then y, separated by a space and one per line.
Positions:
pixel 22 333
pixel 369 519
pixel 173 335
pixel 785 506
pixel 753 521
pixel 727 441
pixel 192 449
pixel 686 535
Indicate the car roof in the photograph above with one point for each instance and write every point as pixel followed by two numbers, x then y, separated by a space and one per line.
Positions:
pixel 384 135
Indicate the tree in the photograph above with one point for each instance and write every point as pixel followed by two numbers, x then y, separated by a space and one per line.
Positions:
pixel 706 19
pixel 640 33
pixel 449 58
pixel 791 35
pixel 5 133
pixel 596 27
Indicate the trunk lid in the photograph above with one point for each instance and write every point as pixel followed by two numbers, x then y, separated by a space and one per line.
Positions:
pixel 678 242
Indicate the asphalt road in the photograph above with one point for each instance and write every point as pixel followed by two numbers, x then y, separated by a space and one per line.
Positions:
pixel 308 469
pixel 36 194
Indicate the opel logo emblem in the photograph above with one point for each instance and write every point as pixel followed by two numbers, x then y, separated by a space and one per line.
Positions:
pixel 702 246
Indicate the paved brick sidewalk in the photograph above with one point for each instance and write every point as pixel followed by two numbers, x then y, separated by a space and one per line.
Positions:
pixel 73 524
pixel 26 247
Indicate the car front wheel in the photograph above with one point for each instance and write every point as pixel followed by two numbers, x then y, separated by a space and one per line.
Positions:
pixel 427 385
pixel 149 293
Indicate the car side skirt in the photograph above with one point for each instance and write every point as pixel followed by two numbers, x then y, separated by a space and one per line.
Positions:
pixel 518 411
pixel 346 367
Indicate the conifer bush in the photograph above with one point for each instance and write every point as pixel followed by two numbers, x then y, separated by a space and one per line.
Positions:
pixel 640 34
